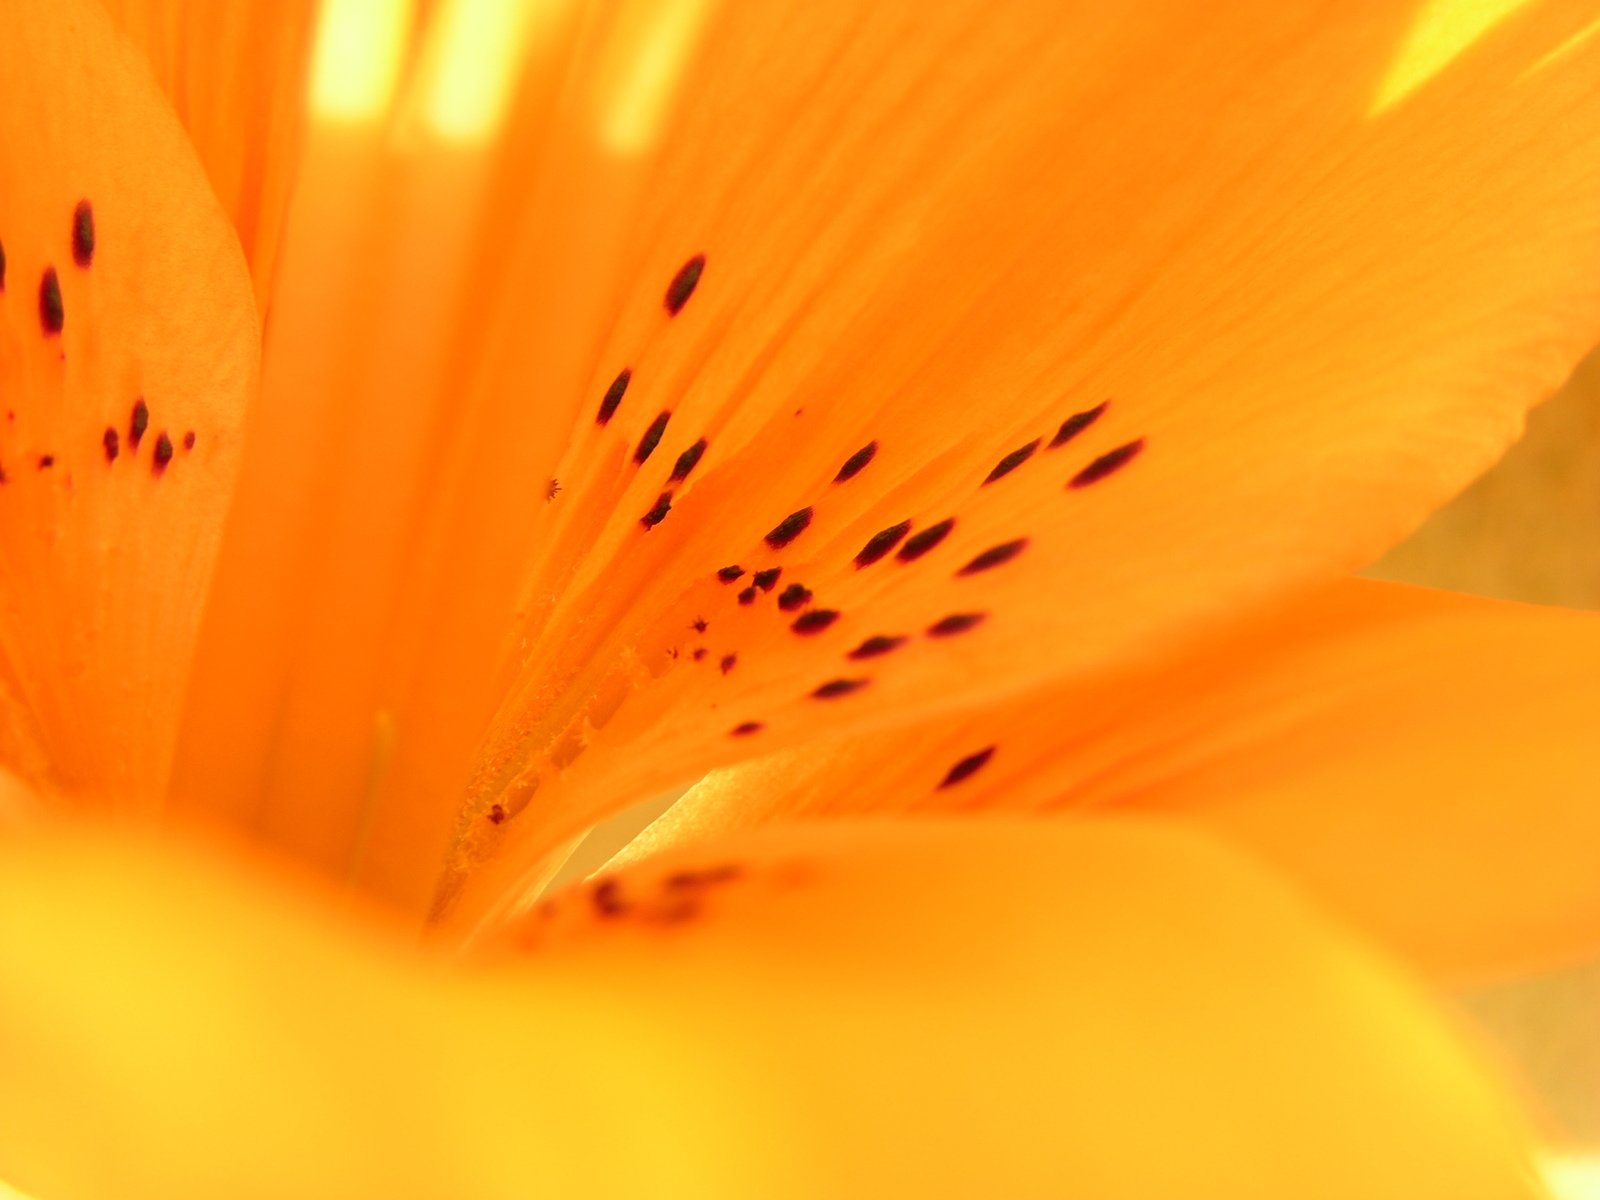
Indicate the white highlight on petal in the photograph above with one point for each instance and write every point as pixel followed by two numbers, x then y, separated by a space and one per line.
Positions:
pixel 475 62
pixel 357 63
pixel 1572 1176
pixel 1442 32
pixel 1566 49
pixel 639 94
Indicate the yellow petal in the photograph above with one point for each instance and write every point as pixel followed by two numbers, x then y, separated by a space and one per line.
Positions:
pixel 128 346
pixel 236 75
pixel 1114 1011
pixel 1423 760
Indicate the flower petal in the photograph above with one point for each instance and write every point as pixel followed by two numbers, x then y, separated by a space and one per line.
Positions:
pixel 128 346
pixel 936 1010
pixel 1301 335
pixel 935 239
pixel 236 74
pixel 1424 761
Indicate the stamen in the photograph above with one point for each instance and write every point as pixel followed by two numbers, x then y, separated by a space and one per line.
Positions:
pixel 815 621
pixel 83 234
pixel 52 315
pixel 881 543
pixel 994 556
pixel 683 284
pixel 1106 464
pixel 791 527
pixel 926 539
pixel 651 438
pixel 856 463
pixel 967 767
pixel 796 595
pixel 613 397
pixel 1011 462
pixel 687 461
pixel 875 646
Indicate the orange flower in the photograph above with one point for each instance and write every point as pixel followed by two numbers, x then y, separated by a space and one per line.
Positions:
pixel 882 408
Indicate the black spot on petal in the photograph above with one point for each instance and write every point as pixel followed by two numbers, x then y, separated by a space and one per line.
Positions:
pixel 875 646
pixel 651 438
pixel 46 461
pixel 791 527
pixel 1076 424
pixel 112 444
pixel 955 623
pixel 138 422
pixel 607 898
pixel 658 512
pixel 924 540
pixel 163 453
pixel 1107 464
pixel 699 625
pixel 1011 462
pixel 835 688
pixel 746 728
pixel 815 621
pixel 188 443
pixel 83 234
pixel 687 461
pixel 683 284
pixel 2 267
pixel 52 315
pixel 881 543
pixel 994 556
pixel 857 462
pixel 613 397
pixel 729 661
pixel 497 813
pixel 796 595
pixel 699 653
pixel 967 767
pixel 747 596
pixel 729 574
pixel 768 579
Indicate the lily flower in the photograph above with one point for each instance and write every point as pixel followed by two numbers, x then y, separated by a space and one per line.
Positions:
pixel 430 430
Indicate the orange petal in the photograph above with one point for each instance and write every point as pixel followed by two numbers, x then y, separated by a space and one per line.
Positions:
pixel 1423 760
pixel 936 1010
pixel 128 346
pixel 236 74
pixel 940 234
